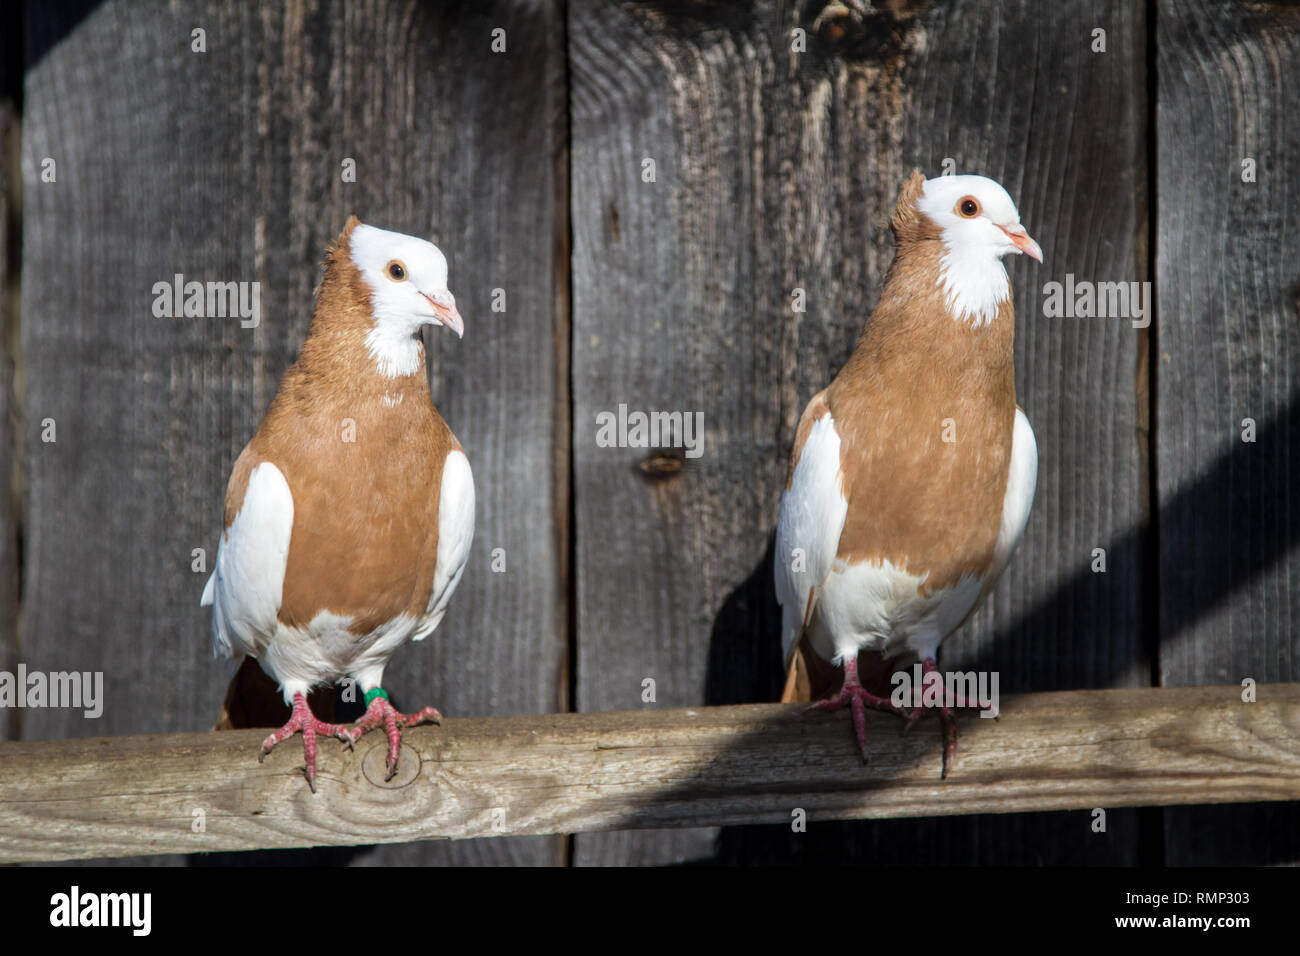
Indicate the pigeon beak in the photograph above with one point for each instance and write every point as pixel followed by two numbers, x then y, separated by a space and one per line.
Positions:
pixel 444 309
pixel 1020 238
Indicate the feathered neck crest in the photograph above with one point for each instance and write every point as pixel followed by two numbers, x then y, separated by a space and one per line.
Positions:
pixel 340 250
pixel 908 223
pixel 342 315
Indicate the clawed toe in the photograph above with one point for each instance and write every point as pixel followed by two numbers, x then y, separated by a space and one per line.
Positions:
pixel 380 711
pixel 858 699
pixel 302 721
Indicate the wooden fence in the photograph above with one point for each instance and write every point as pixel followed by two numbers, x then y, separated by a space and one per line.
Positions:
pixel 1157 150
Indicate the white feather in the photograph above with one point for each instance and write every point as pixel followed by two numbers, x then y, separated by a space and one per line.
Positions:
pixel 455 535
pixel 326 651
pixel 974 285
pixel 1022 480
pixel 247 587
pixel 881 607
pixel 876 605
pixel 395 350
pixel 808 530
pixel 398 306
pixel 974 280
pixel 248 583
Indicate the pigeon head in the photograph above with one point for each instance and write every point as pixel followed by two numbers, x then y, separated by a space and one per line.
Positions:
pixel 964 225
pixel 976 217
pixel 406 281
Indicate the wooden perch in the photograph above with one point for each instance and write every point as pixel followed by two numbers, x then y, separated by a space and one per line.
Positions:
pixel 565 773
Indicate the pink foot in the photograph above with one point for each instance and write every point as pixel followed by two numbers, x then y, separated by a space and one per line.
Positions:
pixel 304 721
pixel 858 699
pixel 379 710
pixel 946 719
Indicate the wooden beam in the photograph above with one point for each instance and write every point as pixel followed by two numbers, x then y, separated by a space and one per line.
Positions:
pixel 564 773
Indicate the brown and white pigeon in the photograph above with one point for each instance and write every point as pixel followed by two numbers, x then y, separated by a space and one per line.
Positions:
pixel 349 515
pixel 913 472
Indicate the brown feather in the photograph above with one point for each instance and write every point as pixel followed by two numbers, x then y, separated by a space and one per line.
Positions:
pixel 924 504
pixel 365 529
pixel 811 678
pixel 927 506
pixel 817 407
pixel 908 223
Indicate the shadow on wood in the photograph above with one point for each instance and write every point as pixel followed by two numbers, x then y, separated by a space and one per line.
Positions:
pixel 745 665
pixel 567 773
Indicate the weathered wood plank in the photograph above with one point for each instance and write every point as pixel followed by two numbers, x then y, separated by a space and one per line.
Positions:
pixel 1229 350
pixel 227 165
pixel 757 763
pixel 775 171
pixel 8 396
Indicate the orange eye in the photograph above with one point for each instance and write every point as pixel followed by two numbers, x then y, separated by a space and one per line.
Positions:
pixel 968 208
pixel 397 270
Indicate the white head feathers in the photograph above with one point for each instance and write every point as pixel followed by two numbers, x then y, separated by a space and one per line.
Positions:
pixel 407 277
pixel 978 225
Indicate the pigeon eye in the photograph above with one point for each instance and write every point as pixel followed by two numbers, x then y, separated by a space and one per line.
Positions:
pixel 968 208
pixel 397 270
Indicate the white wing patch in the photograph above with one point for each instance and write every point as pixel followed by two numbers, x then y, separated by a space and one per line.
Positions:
pixel 808 531
pixel 1022 480
pixel 248 583
pixel 455 534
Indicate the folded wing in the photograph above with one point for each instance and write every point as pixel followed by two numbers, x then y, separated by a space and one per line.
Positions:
pixel 455 535
pixel 247 584
pixel 813 508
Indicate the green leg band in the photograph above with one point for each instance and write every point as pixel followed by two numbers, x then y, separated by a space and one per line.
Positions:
pixel 377 692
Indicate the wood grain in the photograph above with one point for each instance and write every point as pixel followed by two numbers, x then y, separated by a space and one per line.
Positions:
pixel 1228 350
pixel 226 165
pixel 9 509
pixel 775 171
pixel 1069 750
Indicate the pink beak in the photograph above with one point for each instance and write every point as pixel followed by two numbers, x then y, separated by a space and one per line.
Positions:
pixel 1020 237
pixel 444 308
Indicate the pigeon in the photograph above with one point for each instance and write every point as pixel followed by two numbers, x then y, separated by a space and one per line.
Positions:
pixel 349 515
pixel 913 472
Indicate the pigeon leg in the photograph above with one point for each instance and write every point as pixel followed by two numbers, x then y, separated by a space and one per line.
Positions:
pixel 379 710
pixel 858 698
pixel 304 721
pixel 946 718
pixel 949 724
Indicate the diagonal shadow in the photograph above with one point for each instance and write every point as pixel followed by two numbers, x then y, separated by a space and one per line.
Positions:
pixel 1227 504
pixel 43 29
